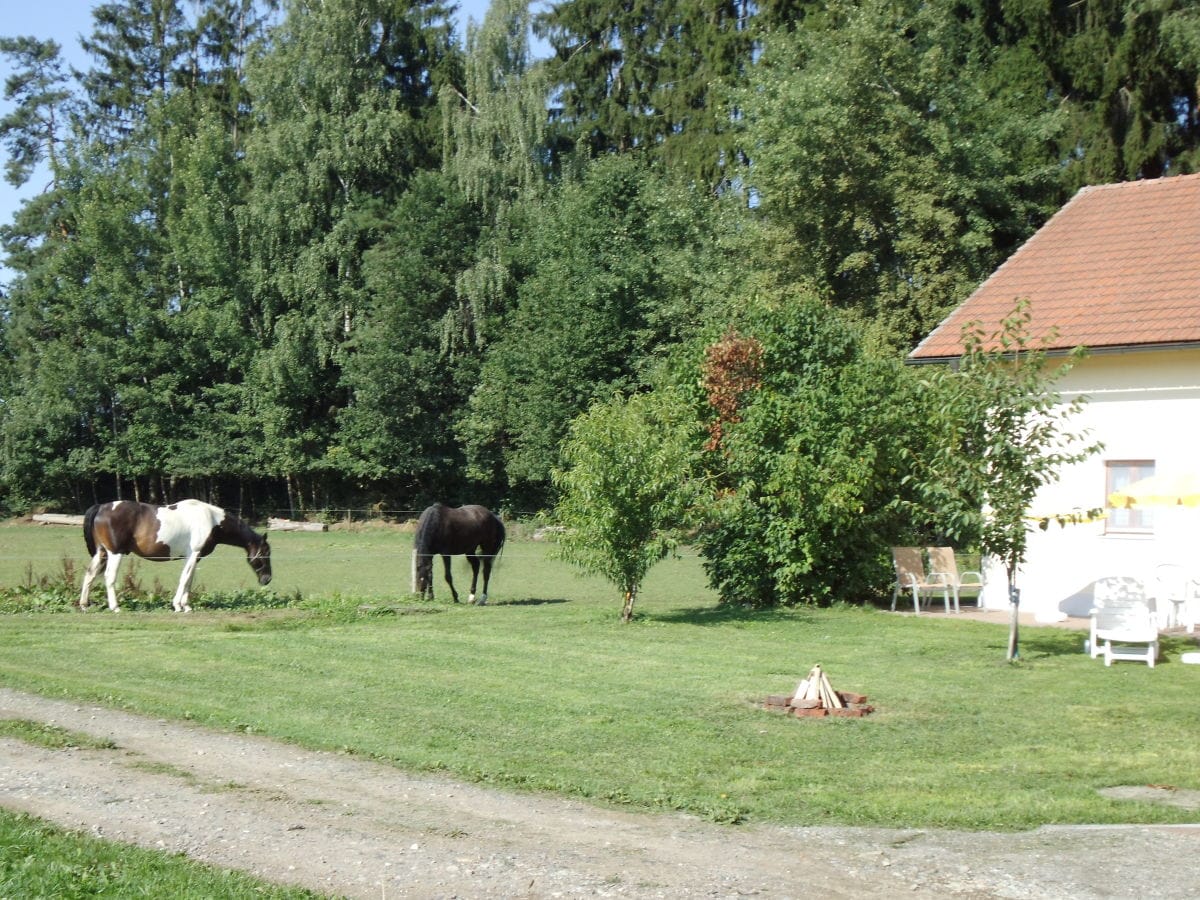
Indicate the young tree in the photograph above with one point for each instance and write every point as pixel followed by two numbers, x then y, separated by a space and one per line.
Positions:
pixel 626 485
pixel 1001 433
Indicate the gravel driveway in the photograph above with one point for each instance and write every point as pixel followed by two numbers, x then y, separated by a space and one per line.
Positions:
pixel 348 827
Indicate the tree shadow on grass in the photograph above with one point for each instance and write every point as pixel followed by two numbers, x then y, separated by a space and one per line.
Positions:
pixel 723 614
pixel 1047 642
pixel 528 601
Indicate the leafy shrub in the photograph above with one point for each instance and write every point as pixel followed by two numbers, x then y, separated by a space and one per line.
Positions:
pixel 810 468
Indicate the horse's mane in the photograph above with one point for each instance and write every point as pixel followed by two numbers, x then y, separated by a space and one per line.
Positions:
pixel 234 526
pixel 248 533
pixel 428 527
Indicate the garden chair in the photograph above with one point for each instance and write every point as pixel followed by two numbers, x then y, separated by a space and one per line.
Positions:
pixel 942 563
pixel 910 576
pixel 1175 590
pixel 1123 622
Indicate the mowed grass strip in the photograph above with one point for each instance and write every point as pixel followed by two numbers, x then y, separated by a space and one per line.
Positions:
pixel 52 737
pixel 545 690
pixel 40 860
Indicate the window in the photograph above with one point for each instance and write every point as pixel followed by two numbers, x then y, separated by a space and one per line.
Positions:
pixel 1118 474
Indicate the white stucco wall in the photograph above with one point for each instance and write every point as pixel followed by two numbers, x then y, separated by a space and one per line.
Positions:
pixel 1142 405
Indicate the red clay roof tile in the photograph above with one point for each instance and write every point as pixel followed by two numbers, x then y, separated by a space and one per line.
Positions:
pixel 1118 265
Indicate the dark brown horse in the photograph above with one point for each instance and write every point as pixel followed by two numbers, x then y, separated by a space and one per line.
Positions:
pixel 473 531
pixel 187 530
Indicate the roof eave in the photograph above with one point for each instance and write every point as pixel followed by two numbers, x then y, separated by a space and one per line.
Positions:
pixel 1063 351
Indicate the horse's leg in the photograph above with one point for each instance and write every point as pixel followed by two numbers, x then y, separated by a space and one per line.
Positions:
pixel 89 576
pixel 488 559
pixel 180 603
pixel 110 579
pixel 449 580
pixel 474 561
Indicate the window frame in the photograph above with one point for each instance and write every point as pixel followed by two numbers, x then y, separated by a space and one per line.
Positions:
pixel 1132 520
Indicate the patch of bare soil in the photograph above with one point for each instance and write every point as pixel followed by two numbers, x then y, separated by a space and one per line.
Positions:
pixel 348 827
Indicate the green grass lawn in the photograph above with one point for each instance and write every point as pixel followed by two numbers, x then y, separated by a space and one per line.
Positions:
pixel 38 860
pixel 545 690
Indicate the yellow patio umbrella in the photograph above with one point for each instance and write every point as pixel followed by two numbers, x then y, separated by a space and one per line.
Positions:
pixel 1180 489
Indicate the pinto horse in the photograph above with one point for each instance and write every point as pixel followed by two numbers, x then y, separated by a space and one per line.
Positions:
pixel 474 531
pixel 187 530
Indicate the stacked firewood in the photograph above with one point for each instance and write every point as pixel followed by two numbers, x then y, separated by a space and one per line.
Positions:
pixel 815 697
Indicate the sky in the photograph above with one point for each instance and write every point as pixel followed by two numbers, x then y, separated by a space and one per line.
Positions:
pixel 66 21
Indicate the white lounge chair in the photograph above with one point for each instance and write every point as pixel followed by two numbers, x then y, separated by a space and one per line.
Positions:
pixel 1123 622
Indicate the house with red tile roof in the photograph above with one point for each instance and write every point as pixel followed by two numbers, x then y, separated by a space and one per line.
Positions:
pixel 1116 270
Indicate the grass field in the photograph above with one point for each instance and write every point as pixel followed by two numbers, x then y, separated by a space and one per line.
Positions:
pixel 40 861
pixel 545 690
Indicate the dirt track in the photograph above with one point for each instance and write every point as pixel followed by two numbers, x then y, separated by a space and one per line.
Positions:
pixel 348 827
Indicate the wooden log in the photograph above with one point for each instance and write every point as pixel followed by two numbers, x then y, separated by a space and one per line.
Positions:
pixel 829 699
pixel 289 525
pixel 835 702
pixel 813 690
pixel 57 519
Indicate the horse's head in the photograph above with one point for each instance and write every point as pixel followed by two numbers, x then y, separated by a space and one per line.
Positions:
pixel 258 554
pixel 425 574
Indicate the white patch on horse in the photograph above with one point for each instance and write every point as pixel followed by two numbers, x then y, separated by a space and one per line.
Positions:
pixel 187 526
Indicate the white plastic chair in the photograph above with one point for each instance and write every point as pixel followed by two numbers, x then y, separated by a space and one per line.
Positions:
pixel 1123 623
pixel 1176 592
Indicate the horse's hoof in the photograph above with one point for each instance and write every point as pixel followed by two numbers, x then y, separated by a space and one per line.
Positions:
pixel 483 600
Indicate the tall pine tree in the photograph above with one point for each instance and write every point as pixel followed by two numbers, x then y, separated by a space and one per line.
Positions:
pixel 650 76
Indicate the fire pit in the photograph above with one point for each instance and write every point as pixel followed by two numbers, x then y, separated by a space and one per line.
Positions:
pixel 815 697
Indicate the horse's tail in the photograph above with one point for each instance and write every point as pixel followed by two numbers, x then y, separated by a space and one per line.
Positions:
pixel 503 535
pixel 89 521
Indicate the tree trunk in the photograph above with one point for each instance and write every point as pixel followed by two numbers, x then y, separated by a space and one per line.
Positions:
pixel 627 609
pixel 1014 603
